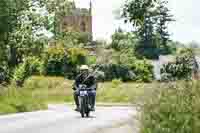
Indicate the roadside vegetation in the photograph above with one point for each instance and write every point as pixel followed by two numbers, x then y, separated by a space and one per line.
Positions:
pixel 36 69
pixel 172 108
pixel 59 90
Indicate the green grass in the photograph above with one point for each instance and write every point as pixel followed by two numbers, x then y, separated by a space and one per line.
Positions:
pixel 173 108
pixel 38 91
pixel 13 100
pixel 58 90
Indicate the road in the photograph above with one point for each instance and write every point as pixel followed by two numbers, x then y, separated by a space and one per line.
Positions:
pixel 62 119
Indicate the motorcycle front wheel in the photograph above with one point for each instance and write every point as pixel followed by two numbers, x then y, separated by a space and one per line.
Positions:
pixel 82 107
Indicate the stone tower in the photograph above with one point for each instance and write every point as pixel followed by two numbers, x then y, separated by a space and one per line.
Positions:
pixel 79 20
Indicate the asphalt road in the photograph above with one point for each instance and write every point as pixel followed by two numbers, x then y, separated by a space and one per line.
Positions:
pixel 62 119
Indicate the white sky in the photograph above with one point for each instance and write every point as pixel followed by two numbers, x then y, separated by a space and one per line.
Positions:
pixel 185 29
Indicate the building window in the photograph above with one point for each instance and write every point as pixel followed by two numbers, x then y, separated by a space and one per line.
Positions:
pixel 83 27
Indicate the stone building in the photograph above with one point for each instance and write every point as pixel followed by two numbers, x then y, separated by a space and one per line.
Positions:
pixel 79 20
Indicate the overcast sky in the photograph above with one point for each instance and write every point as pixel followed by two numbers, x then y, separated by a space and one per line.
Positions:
pixel 185 29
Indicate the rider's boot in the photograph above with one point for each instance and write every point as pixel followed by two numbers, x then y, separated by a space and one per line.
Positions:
pixel 76 102
pixel 93 103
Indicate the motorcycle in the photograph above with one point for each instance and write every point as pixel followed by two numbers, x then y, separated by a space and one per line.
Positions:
pixel 84 100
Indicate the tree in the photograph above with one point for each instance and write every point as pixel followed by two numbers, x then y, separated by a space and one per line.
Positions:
pixel 149 18
pixel 163 18
pixel 147 46
pixel 4 28
pixel 141 14
pixel 135 11
pixel 20 28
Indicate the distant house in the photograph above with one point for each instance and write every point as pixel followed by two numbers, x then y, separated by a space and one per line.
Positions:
pixel 79 20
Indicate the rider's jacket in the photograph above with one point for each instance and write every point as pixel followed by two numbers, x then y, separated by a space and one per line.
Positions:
pixel 89 81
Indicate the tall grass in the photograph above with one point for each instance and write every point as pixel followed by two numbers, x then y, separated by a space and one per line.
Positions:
pixel 13 100
pixel 58 89
pixel 174 108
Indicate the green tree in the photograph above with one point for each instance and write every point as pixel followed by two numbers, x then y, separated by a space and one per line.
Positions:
pixel 56 10
pixel 149 19
pixel 141 13
pixel 147 45
pixel 22 25
pixel 164 17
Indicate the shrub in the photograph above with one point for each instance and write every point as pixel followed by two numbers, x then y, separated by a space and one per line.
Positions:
pixel 115 71
pixel 173 109
pixel 143 70
pixel 59 61
pixel 34 64
pixel 20 74
pixel 91 60
pixel 77 56
pixel 182 67
pixel 31 65
pixel 100 76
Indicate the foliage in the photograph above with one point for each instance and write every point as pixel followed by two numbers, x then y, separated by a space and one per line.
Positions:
pixel 143 71
pixel 122 40
pixel 91 60
pixel 125 66
pixel 135 11
pixel 164 17
pixel 56 9
pixel 182 67
pixel 77 56
pixel 58 60
pixel 21 73
pixel 59 90
pixel 174 108
pixel 149 19
pixel 21 30
pixel 30 66
pixel 72 39
pixel 115 71
pixel 14 100
pixel 142 68
pixel 54 59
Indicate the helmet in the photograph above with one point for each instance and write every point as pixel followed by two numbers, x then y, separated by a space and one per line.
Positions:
pixel 84 67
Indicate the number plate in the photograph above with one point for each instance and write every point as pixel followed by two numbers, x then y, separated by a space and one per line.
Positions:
pixel 82 93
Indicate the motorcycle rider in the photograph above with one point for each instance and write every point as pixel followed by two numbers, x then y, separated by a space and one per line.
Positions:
pixel 85 77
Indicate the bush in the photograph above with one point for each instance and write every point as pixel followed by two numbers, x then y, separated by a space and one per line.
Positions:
pixel 59 61
pixel 31 65
pixel 173 109
pixel 20 74
pixel 182 67
pixel 35 65
pixel 143 71
pixel 91 60
pixel 100 76
pixel 115 71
